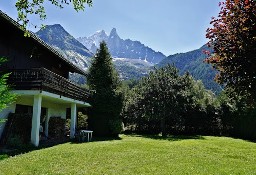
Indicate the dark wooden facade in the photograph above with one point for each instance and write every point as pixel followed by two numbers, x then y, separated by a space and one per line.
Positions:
pixel 31 54
pixel 45 80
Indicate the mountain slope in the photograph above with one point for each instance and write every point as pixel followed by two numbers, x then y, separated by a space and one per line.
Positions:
pixel 193 62
pixel 58 37
pixel 120 48
pixel 124 52
pixel 132 68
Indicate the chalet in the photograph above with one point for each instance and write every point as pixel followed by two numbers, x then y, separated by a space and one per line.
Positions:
pixel 40 78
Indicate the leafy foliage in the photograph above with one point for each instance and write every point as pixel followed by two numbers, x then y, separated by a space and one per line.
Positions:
pixel 172 104
pixel 36 7
pixel 237 115
pixel 107 101
pixel 6 97
pixel 82 121
pixel 233 38
pixel 169 103
pixel 193 62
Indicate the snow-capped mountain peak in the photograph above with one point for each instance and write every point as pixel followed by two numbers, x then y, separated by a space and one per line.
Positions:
pixel 92 42
pixel 121 48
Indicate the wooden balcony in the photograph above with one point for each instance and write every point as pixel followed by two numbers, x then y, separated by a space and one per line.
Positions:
pixel 45 80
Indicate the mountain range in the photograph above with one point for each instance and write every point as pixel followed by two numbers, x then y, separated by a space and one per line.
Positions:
pixel 128 67
pixel 132 59
pixel 120 48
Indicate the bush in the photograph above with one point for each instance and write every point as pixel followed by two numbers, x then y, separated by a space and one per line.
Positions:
pixel 116 127
pixel 244 126
pixel 82 121
pixel 3 156
pixel 67 127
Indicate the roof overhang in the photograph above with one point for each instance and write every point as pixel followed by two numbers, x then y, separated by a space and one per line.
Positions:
pixel 26 97
pixel 45 45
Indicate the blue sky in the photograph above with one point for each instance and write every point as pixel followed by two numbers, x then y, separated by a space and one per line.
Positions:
pixel 168 26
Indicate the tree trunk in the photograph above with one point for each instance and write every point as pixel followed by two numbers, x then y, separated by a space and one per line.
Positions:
pixel 163 127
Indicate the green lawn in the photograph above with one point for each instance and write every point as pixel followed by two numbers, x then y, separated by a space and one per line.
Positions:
pixel 139 155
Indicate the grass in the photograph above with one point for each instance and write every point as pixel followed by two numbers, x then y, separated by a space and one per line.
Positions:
pixel 139 155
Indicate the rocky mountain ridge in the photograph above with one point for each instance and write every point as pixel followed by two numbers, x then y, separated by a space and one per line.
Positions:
pixel 120 48
pixel 56 36
pixel 59 38
pixel 131 58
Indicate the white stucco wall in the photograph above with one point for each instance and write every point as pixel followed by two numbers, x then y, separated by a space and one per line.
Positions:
pixel 4 114
pixel 57 111
pixel 54 110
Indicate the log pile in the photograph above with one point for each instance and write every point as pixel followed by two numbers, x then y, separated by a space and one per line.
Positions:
pixel 57 127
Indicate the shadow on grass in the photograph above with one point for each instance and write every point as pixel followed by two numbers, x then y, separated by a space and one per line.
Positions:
pixel 173 137
pixel 100 139
pixel 97 139
pixel 251 140
pixel 9 151
pixel 6 151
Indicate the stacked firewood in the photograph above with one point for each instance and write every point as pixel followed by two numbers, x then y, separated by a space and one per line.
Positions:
pixel 57 127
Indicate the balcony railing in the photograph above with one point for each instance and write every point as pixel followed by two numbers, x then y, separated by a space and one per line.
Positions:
pixel 45 80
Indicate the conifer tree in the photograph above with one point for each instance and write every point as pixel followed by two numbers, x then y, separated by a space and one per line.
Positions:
pixel 107 99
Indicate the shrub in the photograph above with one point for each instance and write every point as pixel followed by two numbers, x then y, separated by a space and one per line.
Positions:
pixel 3 156
pixel 82 121
pixel 116 127
pixel 67 127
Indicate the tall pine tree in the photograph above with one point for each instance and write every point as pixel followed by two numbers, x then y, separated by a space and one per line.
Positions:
pixel 107 99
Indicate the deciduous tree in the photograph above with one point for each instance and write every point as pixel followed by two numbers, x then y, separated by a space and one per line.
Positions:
pixel 162 99
pixel 233 37
pixel 36 7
